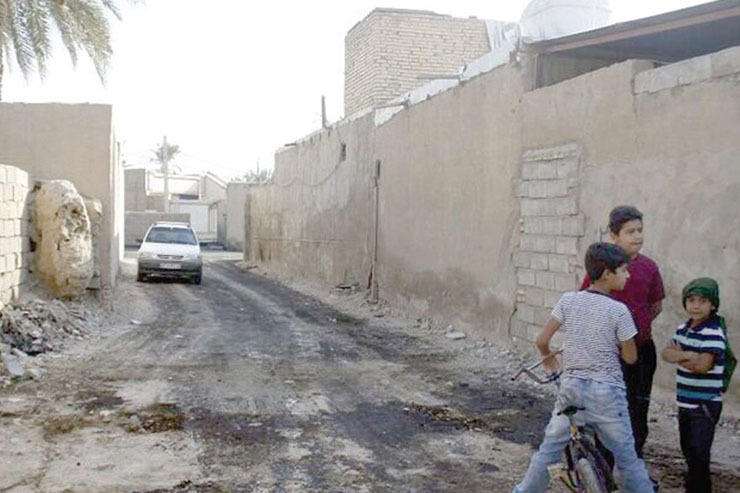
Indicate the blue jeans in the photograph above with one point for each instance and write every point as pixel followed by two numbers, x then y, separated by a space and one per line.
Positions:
pixel 607 413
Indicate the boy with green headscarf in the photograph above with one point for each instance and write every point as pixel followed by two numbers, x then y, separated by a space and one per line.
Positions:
pixel 699 349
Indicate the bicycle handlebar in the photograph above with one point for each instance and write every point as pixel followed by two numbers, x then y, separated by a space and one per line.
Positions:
pixel 528 370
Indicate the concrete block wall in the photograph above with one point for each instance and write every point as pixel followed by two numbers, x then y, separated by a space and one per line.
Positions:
pixel 694 70
pixel 137 223
pixel 386 52
pixel 14 228
pixel 551 226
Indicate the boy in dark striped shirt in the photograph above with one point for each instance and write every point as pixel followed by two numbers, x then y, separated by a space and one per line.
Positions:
pixel 698 348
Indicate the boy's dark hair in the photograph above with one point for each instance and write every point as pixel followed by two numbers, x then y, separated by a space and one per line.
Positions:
pixel 604 256
pixel 620 215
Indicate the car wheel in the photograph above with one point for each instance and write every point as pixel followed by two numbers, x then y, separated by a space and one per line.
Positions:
pixel 140 277
pixel 196 279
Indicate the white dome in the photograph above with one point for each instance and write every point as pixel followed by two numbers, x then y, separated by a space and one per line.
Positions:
pixel 548 19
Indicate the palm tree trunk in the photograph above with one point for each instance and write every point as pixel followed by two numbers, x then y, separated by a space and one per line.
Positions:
pixel 2 68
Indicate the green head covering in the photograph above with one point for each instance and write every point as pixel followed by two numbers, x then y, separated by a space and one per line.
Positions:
pixel 706 287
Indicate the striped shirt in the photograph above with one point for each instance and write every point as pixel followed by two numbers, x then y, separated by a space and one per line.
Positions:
pixel 694 388
pixel 594 324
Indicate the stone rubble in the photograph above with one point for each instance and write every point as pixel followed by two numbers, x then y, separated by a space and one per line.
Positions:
pixel 36 327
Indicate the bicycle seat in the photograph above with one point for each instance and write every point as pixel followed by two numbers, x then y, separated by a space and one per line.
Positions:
pixel 570 410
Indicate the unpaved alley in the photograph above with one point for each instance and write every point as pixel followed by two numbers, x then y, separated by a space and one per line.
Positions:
pixel 242 384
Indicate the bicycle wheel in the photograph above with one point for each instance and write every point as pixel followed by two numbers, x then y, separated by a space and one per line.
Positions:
pixel 590 479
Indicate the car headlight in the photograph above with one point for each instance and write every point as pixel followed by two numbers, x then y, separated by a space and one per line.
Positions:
pixel 192 257
pixel 146 255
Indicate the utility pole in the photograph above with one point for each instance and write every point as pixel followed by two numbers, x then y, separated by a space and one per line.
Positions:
pixel 166 170
pixel 324 122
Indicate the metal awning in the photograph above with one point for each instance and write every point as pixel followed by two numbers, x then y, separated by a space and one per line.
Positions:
pixel 664 38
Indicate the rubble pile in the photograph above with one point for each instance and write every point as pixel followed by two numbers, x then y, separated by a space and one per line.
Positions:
pixel 38 326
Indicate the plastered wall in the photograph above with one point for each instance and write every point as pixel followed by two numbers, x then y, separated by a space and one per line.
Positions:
pixel 664 140
pixel 315 217
pixel 235 214
pixel 14 244
pixel 489 194
pixel 73 142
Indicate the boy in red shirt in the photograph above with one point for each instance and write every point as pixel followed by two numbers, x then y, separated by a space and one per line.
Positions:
pixel 643 295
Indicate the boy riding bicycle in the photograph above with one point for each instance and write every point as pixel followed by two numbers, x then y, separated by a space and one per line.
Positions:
pixel 597 330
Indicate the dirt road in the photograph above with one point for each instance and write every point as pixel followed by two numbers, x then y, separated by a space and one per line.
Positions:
pixel 242 384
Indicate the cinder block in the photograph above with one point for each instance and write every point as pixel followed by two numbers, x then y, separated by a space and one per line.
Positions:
pixel 537 243
pixel 556 188
pixel 3 175
pixel 567 169
pixel 529 171
pixel 525 313
pixel 726 62
pixel 559 263
pixel 695 70
pixel 565 206
pixel 21 178
pixel 655 80
pixel 3 268
pixel 545 280
pixel 574 225
pixel 10 174
pixel 546 171
pixel 539 261
pixel 551 298
pixel 16 227
pixel 552 153
pixel 534 296
pixel 522 259
pixel 525 277
pixel 551 225
pixel 541 316
pixel 521 188
pixel 538 189
pixel 533 225
pixel 565 282
pixel 566 245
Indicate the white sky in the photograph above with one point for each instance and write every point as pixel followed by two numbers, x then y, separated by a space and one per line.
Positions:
pixel 231 81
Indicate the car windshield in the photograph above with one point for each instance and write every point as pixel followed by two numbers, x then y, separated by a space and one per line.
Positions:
pixel 180 236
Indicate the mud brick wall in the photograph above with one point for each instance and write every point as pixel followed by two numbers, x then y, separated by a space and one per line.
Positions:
pixel 551 226
pixel 14 227
pixel 386 52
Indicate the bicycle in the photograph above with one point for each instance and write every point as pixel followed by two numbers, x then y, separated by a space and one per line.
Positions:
pixel 583 469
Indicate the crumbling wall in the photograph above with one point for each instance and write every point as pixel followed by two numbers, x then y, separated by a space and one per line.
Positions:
pixel 236 197
pixel 315 217
pixel 14 245
pixel 62 232
pixel 75 142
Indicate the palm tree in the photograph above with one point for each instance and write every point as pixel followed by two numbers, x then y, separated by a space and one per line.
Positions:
pixel 82 25
pixel 163 154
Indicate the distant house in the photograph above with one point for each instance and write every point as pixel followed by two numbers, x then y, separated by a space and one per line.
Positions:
pixel 202 196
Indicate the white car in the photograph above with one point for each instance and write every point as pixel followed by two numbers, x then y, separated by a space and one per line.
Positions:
pixel 170 249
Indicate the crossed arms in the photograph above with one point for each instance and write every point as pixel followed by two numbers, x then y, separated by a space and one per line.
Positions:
pixel 694 361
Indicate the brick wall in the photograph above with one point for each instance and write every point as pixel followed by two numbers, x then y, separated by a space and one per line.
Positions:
pixel 551 226
pixel 387 51
pixel 14 227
